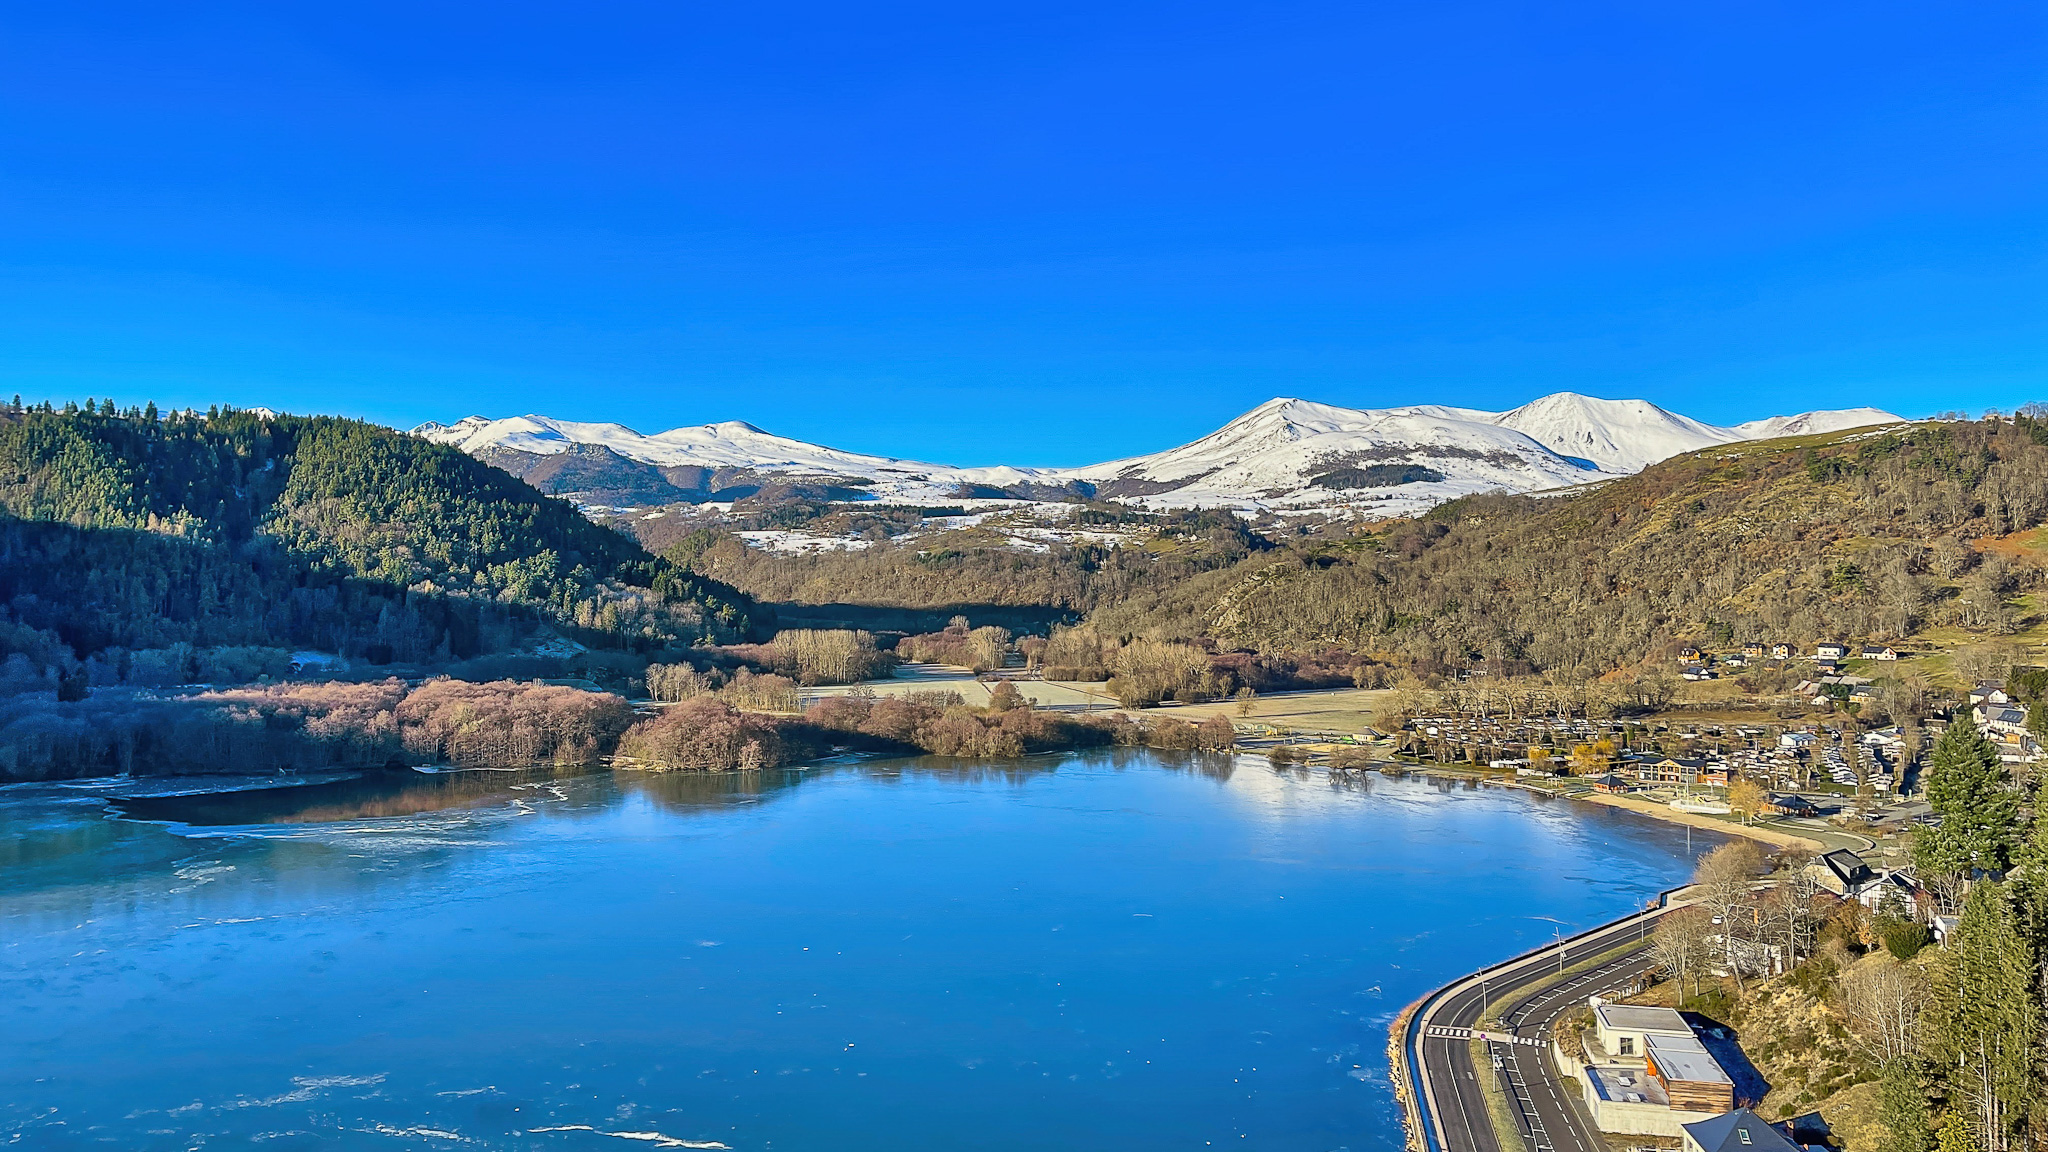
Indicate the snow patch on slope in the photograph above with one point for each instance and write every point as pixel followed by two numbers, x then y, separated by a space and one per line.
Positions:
pixel 1286 455
pixel 1273 456
pixel 1814 423
pixel 1616 435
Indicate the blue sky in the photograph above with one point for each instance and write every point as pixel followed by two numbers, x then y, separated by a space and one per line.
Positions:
pixel 1037 234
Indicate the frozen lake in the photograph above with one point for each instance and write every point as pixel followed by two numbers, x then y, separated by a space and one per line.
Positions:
pixel 1109 950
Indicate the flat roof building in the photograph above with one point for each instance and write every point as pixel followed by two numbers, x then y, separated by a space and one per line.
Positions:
pixel 1625 1029
pixel 1692 1078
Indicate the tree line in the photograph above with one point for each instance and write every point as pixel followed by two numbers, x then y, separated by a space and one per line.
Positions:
pixel 708 733
pixel 141 530
pixel 309 727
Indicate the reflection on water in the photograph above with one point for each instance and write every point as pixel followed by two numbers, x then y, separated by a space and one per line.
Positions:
pixel 1108 949
pixel 375 794
pixel 413 793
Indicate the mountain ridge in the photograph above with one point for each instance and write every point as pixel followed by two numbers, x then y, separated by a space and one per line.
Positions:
pixel 1284 456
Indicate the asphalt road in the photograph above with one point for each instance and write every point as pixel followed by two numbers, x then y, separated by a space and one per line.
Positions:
pixel 1547 1109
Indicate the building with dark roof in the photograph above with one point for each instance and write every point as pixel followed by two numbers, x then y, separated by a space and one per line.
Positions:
pixel 1843 872
pixel 1738 1131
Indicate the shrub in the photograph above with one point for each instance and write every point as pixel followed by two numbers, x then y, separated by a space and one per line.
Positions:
pixel 1173 735
pixel 705 735
pixel 1216 735
pixel 1350 758
pixel 510 723
pixel 1905 938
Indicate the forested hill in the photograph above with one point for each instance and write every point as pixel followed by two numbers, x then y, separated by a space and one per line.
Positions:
pixel 139 530
pixel 1843 536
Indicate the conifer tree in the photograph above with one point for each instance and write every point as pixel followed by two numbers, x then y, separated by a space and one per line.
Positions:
pixel 1985 1027
pixel 1902 1107
pixel 1979 815
pixel 2028 883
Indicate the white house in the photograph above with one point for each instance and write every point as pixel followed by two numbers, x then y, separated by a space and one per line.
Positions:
pixel 1989 694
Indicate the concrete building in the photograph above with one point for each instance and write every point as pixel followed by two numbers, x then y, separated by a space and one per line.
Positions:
pixel 1644 1072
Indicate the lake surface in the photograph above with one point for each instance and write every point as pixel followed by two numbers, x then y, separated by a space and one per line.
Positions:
pixel 1092 951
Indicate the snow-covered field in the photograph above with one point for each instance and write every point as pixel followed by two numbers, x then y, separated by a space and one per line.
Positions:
pixel 789 542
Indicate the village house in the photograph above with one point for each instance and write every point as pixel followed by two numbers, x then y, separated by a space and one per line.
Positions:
pixel 1830 650
pixel 1869 653
pixel 1841 872
pixel 1850 877
pixel 1783 651
pixel 1740 1130
pixel 1688 655
pixel 1675 770
pixel 2004 721
pixel 1755 651
pixel 1989 694
pixel 1791 804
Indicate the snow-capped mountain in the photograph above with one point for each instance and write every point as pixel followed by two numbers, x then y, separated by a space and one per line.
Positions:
pixel 730 444
pixel 1612 435
pixel 1285 455
pixel 731 450
pixel 1288 454
pixel 1813 423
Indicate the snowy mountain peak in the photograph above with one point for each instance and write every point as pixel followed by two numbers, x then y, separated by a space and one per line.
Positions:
pixel 1285 418
pixel 1285 455
pixel 1616 435
pixel 1814 423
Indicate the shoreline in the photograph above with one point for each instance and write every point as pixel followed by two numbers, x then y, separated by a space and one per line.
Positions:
pixel 1664 812
pixel 1417 1098
pixel 1770 836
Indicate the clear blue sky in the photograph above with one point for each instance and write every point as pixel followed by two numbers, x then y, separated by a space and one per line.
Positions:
pixel 1045 233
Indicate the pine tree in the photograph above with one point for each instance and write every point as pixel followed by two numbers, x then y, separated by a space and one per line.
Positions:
pixel 1979 815
pixel 1902 1107
pixel 2028 883
pixel 1985 1024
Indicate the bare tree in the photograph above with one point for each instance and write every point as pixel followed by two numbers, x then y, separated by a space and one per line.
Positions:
pixel 1681 945
pixel 1724 877
pixel 1788 915
pixel 1883 1001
